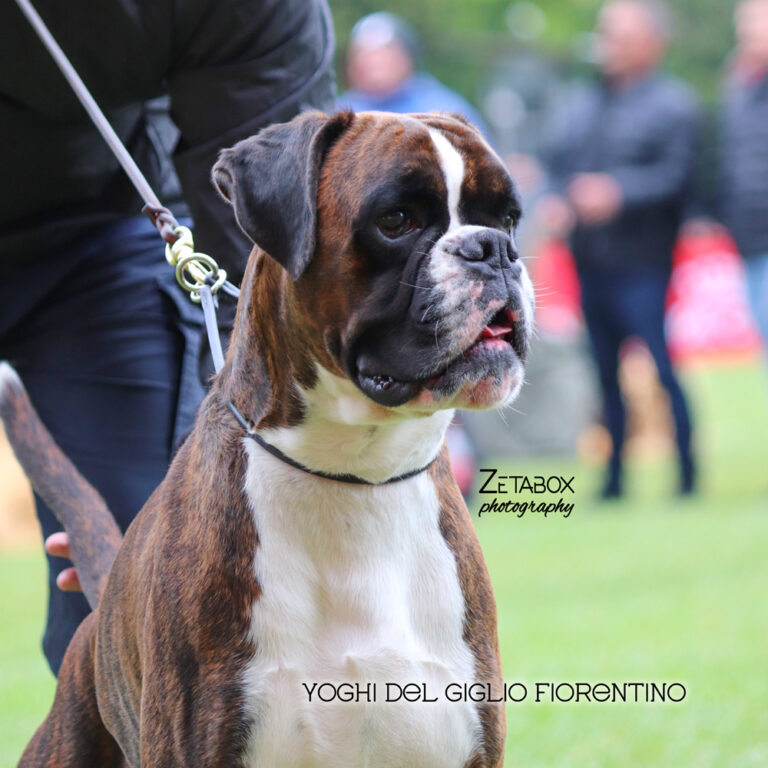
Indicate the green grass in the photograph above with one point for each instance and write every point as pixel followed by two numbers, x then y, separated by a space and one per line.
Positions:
pixel 26 683
pixel 649 589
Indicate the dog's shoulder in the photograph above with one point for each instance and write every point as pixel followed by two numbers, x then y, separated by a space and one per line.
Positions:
pixel 178 602
pixel 193 541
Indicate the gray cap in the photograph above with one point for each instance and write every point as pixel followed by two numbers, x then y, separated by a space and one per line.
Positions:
pixel 382 28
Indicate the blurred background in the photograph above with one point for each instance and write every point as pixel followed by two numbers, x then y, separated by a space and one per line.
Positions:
pixel 649 585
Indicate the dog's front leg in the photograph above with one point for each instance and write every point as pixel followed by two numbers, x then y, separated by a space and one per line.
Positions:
pixel 191 715
pixel 73 735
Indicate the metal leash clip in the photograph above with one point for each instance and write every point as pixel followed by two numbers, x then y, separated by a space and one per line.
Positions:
pixel 193 270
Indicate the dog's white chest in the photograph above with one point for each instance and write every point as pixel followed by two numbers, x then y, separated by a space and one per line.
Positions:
pixel 358 586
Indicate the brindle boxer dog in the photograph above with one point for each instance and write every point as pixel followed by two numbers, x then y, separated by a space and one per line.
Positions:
pixel 309 530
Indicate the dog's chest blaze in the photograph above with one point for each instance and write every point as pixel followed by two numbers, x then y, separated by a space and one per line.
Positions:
pixel 358 586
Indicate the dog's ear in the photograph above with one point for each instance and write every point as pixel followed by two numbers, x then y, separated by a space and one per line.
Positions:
pixel 271 181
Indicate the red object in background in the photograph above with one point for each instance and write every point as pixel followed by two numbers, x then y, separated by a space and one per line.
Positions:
pixel 707 309
pixel 558 297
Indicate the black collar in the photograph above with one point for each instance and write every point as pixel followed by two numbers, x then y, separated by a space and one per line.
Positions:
pixel 278 454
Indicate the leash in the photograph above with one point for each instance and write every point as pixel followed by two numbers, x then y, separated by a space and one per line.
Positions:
pixel 197 273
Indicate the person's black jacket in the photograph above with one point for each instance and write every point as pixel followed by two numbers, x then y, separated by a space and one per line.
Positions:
pixel 646 138
pixel 230 67
pixel 744 165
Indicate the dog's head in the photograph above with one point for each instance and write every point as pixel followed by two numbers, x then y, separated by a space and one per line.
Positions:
pixel 398 234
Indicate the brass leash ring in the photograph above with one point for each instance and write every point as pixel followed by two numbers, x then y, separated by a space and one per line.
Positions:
pixel 193 269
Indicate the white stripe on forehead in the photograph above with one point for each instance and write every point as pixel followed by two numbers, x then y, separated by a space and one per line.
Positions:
pixel 452 164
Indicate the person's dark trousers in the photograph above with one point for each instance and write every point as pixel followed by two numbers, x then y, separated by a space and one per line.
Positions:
pixel 618 306
pixel 101 335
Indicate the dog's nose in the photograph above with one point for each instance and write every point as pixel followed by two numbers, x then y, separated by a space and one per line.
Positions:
pixel 484 244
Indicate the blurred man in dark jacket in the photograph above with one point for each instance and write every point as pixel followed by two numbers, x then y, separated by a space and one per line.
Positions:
pixel 621 158
pixel 745 152
pixel 91 318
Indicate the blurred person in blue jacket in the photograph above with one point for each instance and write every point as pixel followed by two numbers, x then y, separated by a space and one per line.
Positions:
pixel 744 152
pixel 383 75
pixel 621 156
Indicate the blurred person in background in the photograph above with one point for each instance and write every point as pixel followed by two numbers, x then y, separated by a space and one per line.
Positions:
pixel 106 343
pixel 621 157
pixel 744 152
pixel 383 74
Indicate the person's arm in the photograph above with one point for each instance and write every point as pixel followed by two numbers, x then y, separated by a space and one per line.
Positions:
pixel 557 148
pixel 553 210
pixel 668 176
pixel 241 65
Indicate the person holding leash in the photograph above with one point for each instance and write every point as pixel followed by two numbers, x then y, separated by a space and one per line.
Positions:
pixel 108 346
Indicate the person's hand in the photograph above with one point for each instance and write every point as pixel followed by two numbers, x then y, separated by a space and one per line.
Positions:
pixel 596 197
pixel 555 216
pixel 57 544
pixel 702 226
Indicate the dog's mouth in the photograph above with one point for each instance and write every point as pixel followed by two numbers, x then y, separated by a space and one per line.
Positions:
pixel 504 328
pixel 501 343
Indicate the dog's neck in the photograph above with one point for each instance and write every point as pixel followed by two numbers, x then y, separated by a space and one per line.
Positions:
pixel 345 433
pixel 315 417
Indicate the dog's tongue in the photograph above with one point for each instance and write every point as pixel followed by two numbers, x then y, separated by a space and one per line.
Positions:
pixel 502 324
pixel 495 330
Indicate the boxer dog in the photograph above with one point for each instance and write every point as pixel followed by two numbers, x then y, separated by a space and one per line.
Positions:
pixel 309 536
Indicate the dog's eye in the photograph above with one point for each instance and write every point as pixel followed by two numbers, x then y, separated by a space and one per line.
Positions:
pixel 509 222
pixel 395 224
